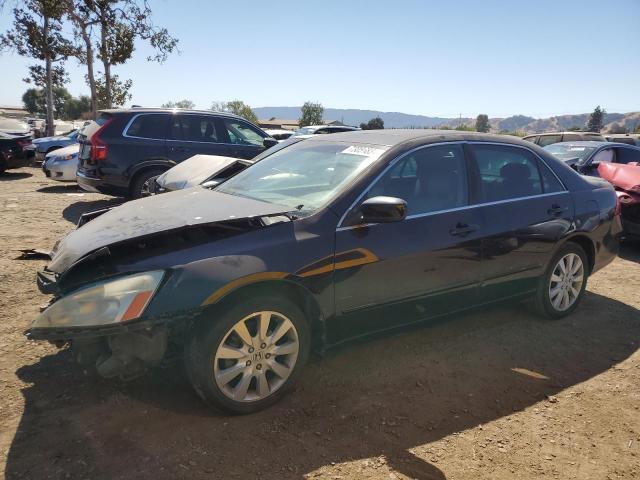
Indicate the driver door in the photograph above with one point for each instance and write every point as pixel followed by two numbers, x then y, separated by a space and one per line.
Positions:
pixel 389 274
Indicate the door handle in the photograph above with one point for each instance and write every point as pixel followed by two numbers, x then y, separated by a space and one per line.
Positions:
pixel 556 210
pixel 462 229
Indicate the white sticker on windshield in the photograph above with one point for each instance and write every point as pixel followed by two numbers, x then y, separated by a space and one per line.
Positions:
pixel 364 150
pixel 577 149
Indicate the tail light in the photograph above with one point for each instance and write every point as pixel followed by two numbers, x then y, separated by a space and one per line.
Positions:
pixel 618 210
pixel 99 148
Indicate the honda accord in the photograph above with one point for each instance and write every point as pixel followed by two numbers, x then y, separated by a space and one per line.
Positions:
pixel 318 243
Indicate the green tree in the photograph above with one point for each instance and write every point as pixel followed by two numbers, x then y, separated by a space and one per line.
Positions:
pixel 186 104
pixel 219 106
pixel 238 107
pixel 76 108
pixel 465 128
pixel 113 26
pixel 35 100
pixel 116 96
pixel 37 34
pixel 596 120
pixel 482 123
pixel 311 114
pixel 374 124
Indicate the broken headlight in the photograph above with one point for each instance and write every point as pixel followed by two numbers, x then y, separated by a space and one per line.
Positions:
pixel 104 303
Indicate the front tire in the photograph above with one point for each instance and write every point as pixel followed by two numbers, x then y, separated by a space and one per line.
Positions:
pixel 247 356
pixel 564 282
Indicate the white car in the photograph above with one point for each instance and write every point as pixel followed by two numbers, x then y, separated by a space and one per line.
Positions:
pixel 62 164
pixel 279 134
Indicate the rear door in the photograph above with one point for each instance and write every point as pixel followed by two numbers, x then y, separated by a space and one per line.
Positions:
pixel 390 274
pixel 245 140
pixel 525 210
pixel 192 134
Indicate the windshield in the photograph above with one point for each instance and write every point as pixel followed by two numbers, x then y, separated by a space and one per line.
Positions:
pixel 304 176
pixel 567 152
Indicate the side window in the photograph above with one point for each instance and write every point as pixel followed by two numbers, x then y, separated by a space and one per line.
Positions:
pixel 429 180
pixel 606 155
pixel 194 128
pixel 241 133
pixel 506 172
pixel 570 137
pixel 550 183
pixel 626 155
pixel 531 139
pixel 549 139
pixel 148 126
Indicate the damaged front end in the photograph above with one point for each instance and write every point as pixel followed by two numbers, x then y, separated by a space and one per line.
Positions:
pixel 103 292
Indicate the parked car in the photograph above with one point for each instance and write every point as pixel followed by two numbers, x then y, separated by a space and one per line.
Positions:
pixel 626 181
pixel 544 139
pixel 628 138
pixel 62 164
pixel 324 129
pixel 124 149
pixel 13 151
pixel 207 170
pixel 325 240
pixel 11 126
pixel 43 145
pixel 585 156
pixel 279 133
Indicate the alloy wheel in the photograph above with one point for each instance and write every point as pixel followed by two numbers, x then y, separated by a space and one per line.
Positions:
pixel 566 281
pixel 256 356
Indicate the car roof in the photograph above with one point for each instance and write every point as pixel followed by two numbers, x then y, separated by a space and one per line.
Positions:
pixel 114 111
pixel 564 133
pixel 591 143
pixel 392 137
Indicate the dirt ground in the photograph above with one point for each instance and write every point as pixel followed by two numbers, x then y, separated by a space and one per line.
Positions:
pixel 495 394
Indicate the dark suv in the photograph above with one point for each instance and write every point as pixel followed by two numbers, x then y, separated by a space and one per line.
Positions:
pixel 123 149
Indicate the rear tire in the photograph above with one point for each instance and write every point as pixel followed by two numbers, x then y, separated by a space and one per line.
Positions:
pixel 562 287
pixel 140 182
pixel 246 356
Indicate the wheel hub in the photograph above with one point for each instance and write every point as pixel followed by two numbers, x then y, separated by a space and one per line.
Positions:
pixel 256 356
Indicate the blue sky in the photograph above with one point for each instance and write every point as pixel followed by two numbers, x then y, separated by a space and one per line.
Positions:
pixel 542 58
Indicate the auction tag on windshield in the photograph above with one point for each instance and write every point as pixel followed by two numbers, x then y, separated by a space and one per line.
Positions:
pixel 577 149
pixel 364 151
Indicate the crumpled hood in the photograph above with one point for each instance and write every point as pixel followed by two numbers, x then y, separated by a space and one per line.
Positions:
pixel 159 213
pixel 194 171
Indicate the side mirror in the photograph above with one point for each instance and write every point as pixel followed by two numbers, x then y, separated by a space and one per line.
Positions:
pixel 269 142
pixel 383 210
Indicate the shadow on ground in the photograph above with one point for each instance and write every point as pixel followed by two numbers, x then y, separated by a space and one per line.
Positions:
pixel 9 175
pixel 630 250
pixel 379 398
pixel 73 212
pixel 61 188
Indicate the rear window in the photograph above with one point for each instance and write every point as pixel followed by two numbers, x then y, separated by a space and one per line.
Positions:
pixel 151 126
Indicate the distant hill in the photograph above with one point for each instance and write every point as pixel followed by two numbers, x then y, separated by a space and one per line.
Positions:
pixel 355 117
pixel 405 120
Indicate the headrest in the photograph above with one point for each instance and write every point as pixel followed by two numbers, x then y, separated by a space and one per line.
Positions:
pixel 514 171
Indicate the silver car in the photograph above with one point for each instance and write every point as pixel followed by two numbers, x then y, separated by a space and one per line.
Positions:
pixel 62 164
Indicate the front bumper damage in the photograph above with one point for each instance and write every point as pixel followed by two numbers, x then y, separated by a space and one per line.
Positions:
pixel 125 351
